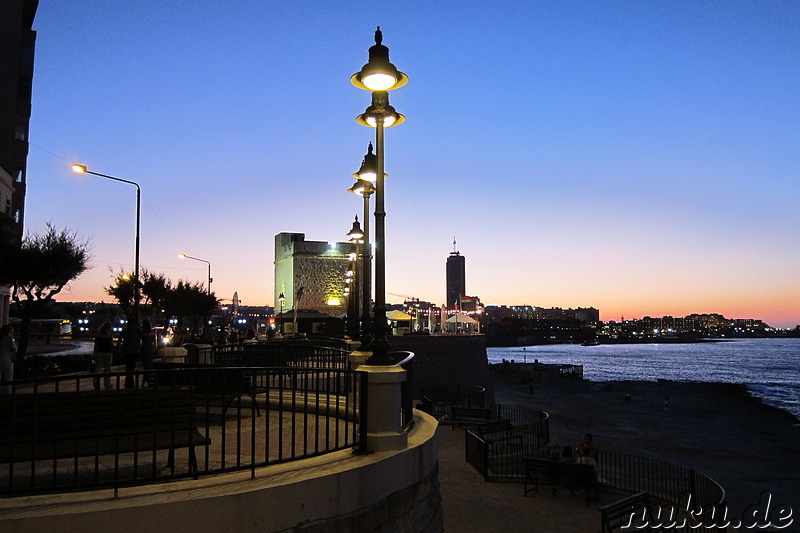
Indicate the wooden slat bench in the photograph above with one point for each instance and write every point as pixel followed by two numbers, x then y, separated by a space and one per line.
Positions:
pixel 559 473
pixel 213 386
pixel 468 416
pixel 57 425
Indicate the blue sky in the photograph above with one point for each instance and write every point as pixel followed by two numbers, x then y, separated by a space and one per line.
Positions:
pixel 638 157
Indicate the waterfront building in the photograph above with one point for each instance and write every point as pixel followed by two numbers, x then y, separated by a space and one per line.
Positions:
pixel 456 279
pixel 312 274
pixel 585 315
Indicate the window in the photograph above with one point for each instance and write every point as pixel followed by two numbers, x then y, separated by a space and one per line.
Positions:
pixel 21 131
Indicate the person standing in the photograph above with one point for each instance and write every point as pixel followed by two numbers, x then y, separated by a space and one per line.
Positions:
pixel 148 345
pixel 103 353
pixel 131 339
pixel 8 350
pixel 585 446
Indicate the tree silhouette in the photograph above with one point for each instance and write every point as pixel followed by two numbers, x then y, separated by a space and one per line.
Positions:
pixel 38 269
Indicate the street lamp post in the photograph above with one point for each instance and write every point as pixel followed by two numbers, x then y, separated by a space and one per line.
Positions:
pixel 184 256
pixel 363 187
pixel 281 300
pixel 356 238
pixel 379 76
pixel 81 169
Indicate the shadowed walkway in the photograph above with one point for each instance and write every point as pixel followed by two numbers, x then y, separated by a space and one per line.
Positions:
pixel 473 505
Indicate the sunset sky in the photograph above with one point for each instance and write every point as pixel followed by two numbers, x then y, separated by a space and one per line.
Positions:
pixel 638 157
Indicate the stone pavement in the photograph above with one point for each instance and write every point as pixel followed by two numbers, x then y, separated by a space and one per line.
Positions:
pixel 471 504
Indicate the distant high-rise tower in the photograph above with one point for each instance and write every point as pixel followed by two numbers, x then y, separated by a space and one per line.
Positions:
pixel 456 278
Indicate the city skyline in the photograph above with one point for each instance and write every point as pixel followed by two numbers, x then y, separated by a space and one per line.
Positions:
pixel 633 157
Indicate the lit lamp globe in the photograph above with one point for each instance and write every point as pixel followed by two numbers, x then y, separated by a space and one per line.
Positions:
pixel 390 115
pixel 362 188
pixel 378 74
pixel 355 234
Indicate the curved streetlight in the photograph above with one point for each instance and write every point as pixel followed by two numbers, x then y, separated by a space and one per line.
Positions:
pixel 81 169
pixel 379 76
pixel 184 256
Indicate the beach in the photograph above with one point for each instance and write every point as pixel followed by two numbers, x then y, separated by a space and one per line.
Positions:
pixel 716 428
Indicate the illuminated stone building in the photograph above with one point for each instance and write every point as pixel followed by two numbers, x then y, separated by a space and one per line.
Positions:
pixel 318 268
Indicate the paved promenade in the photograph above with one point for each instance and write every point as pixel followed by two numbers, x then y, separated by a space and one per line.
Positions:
pixel 473 505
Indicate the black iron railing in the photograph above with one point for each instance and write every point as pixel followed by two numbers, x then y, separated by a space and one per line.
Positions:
pixel 59 434
pixel 407 400
pixel 292 354
pixel 501 460
pixel 664 481
pixel 438 400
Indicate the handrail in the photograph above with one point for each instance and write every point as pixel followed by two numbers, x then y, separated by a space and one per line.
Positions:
pixel 228 419
pixel 407 398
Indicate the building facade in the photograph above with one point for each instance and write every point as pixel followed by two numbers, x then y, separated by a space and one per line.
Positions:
pixel 17 43
pixel 312 274
pixel 6 230
pixel 456 279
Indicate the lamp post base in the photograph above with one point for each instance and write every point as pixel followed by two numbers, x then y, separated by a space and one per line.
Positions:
pixel 380 348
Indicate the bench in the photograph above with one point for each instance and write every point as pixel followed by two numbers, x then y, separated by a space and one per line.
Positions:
pixel 59 425
pixel 559 473
pixel 632 511
pixel 211 385
pixel 469 416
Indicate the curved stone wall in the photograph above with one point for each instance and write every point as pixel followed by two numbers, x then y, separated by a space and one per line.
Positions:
pixel 447 360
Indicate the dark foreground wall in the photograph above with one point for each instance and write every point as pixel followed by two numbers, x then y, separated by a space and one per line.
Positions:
pixel 446 359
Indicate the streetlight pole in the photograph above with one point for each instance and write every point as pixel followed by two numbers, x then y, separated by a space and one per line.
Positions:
pixel 379 76
pixel 184 256
pixel 281 300
pixel 363 187
pixel 81 169
pixel 356 237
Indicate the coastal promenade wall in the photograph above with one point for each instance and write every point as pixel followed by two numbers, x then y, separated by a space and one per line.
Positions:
pixel 447 359
pixel 382 492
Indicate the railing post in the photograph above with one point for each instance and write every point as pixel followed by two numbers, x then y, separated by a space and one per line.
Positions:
pixel 384 408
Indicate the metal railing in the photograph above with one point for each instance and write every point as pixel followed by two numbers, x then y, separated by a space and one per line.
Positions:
pixel 407 397
pixel 499 460
pixel 438 400
pixel 60 434
pixel 285 353
pixel 664 481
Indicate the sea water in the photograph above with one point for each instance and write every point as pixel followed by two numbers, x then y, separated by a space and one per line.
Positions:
pixel 769 367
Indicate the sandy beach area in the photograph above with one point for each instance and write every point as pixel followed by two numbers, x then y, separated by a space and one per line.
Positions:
pixel 716 428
